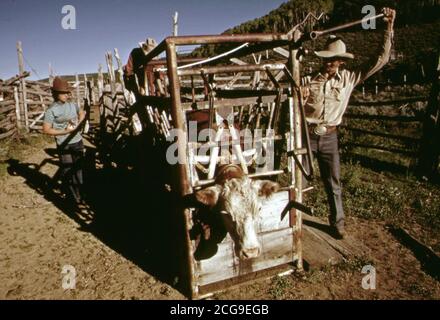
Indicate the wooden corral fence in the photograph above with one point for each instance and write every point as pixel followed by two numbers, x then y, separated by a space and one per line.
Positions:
pixel 399 126
pixel 401 121
pixel 23 101
pixel 9 108
pixel 24 109
pixel 23 105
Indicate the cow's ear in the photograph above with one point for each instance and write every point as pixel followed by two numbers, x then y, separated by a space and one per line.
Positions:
pixel 266 187
pixel 208 196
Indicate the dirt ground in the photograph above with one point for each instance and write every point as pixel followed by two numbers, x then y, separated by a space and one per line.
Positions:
pixel 39 235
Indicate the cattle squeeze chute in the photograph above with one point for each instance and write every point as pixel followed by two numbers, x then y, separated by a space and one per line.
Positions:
pixel 236 137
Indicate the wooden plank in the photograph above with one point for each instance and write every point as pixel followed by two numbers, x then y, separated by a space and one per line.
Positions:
pixel 347 247
pixel 17 107
pixel 238 61
pixel 38 119
pixel 277 248
pixel 201 105
pixel 270 215
pixel 5 103
pixel 233 80
pixel 6 109
pixel 6 89
pixel 295 125
pixel 23 84
pixel 78 99
pixel 100 81
pixel 37 103
pixel 316 253
pixel 7 121
pixel 217 79
pixel 277 77
pixel 8 126
pixel 221 266
pixel 209 289
pixel 281 51
pixel 8 134
pixel 39 83
pixel 39 92
pixel 16 78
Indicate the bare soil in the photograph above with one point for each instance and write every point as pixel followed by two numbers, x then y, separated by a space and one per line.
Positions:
pixel 121 254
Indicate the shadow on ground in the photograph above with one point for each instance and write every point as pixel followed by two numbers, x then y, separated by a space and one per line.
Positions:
pixel 131 211
pixel 381 165
pixel 429 261
pixel 375 164
pixel 319 226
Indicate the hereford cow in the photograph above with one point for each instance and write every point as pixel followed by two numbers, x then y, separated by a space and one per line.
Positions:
pixel 238 200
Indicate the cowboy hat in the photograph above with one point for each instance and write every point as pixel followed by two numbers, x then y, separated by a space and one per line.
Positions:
pixel 335 47
pixel 60 85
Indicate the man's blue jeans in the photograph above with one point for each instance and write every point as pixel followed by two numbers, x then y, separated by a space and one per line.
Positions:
pixel 326 151
pixel 71 158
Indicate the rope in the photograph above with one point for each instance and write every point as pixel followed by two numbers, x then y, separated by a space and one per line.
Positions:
pixel 209 59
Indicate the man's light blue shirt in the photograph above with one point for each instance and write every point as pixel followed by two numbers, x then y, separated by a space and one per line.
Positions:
pixel 58 115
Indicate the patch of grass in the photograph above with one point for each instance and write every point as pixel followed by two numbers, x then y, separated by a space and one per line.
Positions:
pixel 370 195
pixel 354 264
pixel 279 287
pixel 393 198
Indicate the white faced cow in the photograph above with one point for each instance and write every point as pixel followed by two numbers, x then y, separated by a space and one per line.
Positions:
pixel 239 199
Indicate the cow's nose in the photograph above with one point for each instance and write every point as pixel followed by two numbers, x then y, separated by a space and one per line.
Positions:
pixel 249 253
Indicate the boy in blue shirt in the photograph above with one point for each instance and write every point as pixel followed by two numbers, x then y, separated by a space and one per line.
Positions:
pixel 62 120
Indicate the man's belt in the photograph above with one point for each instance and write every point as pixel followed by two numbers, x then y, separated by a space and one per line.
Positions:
pixel 321 129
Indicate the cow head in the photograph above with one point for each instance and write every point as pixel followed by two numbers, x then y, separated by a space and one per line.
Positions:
pixel 239 201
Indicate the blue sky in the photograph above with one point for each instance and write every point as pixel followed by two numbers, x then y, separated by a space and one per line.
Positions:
pixel 102 25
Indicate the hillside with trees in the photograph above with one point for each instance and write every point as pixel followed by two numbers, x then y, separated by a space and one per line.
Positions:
pixel 417 30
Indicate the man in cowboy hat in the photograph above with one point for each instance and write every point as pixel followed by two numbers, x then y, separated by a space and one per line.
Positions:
pixel 326 95
pixel 62 120
pixel 135 67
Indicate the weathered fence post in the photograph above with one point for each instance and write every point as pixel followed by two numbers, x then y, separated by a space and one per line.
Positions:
pixel 23 85
pixel 78 100
pixel 50 74
pixel 100 82
pixel 175 24
pixel 17 107
pixel 114 94
pixel 295 143
pixel 92 91
pixel 86 91
pixel 120 71
pixel 110 70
